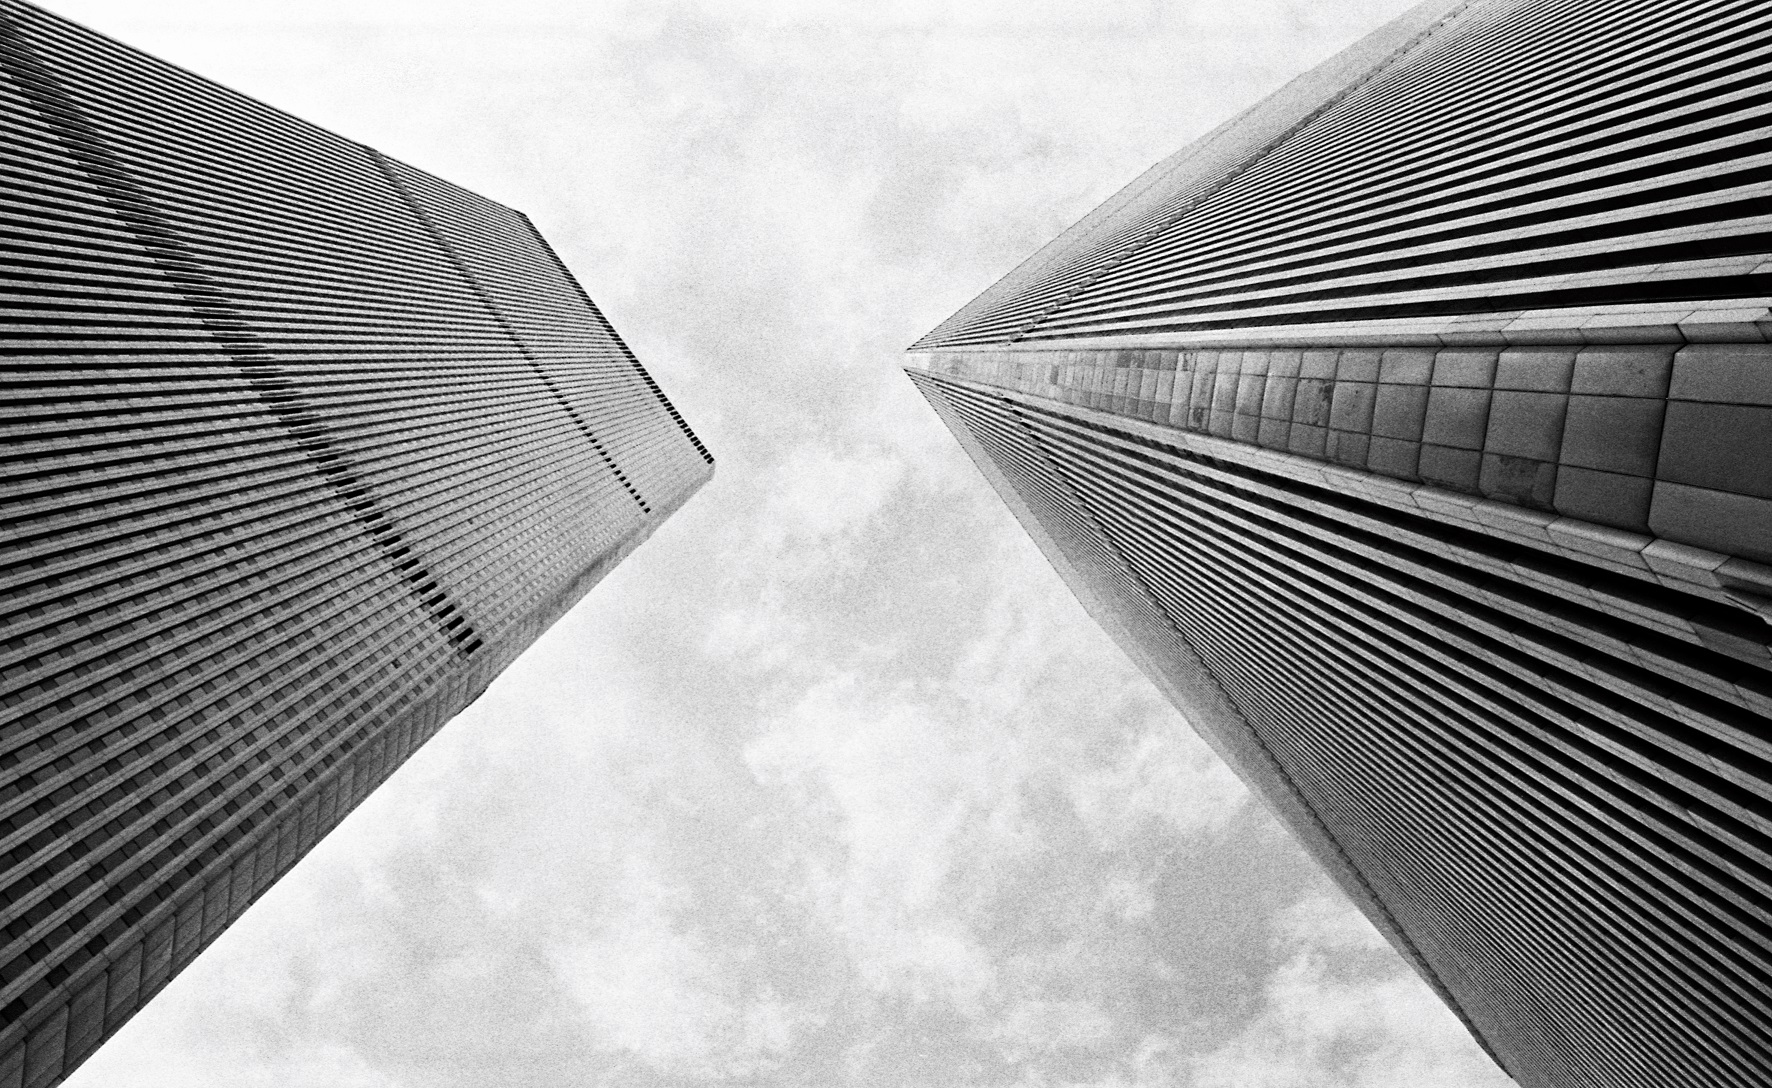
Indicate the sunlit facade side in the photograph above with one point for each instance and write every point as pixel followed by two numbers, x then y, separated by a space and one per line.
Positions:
pixel 1413 432
pixel 303 446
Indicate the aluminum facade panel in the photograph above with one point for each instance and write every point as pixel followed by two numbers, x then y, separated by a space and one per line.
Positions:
pixel 303 446
pixel 1563 810
pixel 1420 413
pixel 1518 154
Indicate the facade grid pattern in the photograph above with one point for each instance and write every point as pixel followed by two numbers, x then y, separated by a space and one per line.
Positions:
pixel 1411 431
pixel 303 447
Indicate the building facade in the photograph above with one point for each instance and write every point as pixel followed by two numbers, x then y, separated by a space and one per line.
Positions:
pixel 302 447
pixel 1413 432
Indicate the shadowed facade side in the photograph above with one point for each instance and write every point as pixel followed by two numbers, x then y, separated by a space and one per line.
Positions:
pixel 1413 432
pixel 303 446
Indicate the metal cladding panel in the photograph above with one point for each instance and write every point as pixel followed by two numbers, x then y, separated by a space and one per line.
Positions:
pixel 1638 440
pixel 1513 155
pixel 297 457
pixel 1554 778
pixel 1430 404
pixel 1013 458
pixel 625 429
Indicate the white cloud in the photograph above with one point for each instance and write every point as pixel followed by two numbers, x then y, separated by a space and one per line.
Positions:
pixel 812 526
pixel 1035 1027
pixel 1342 1011
pixel 769 1028
pixel 322 1066
pixel 644 990
pixel 1166 783
pixel 817 494
pixel 895 792
pixel 832 768
pixel 655 990
pixel 1127 898
pixel 1327 922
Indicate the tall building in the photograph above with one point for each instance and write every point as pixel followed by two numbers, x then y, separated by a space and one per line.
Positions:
pixel 302 447
pixel 1413 432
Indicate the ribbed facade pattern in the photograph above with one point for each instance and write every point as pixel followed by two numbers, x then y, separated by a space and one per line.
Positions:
pixel 303 446
pixel 1521 154
pixel 1413 433
pixel 1554 777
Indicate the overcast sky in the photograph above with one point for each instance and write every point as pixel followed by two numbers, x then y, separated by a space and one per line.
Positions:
pixel 831 783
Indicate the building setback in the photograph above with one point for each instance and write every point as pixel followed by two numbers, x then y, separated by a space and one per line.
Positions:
pixel 1413 432
pixel 302 447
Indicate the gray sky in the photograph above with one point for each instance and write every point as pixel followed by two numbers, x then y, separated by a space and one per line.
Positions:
pixel 831 783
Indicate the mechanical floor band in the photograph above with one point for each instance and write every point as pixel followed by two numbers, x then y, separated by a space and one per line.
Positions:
pixel 1413 432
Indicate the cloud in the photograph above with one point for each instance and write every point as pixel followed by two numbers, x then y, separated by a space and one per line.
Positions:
pixel 1326 922
pixel 648 986
pixel 1166 783
pixel 819 496
pixel 1035 1028
pixel 1342 1010
pixel 892 792
pixel 832 782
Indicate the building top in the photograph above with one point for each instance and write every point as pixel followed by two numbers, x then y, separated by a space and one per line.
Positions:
pixel 1480 172
pixel 302 447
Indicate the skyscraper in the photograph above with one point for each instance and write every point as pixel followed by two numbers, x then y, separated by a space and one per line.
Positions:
pixel 303 447
pixel 1413 432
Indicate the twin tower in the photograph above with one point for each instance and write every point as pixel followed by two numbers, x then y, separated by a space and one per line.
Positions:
pixel 1412 431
